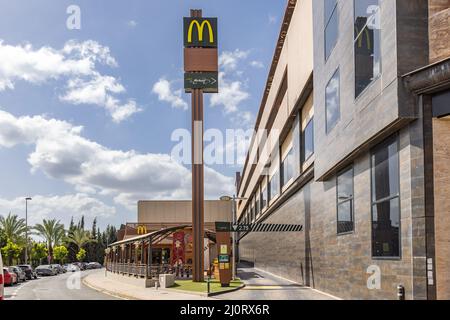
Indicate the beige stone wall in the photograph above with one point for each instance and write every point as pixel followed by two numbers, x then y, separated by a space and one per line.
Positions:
pixel 181 211
pixel 441 137
pixel 439 29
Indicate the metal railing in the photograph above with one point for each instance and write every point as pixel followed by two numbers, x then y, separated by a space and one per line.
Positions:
pixel 139 270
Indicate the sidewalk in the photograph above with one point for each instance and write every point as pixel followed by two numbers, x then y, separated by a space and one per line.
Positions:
pixel 260 285
pixel 98 281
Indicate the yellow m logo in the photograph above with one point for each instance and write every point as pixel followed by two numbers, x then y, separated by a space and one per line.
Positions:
pixel 142 230
pixel 200 30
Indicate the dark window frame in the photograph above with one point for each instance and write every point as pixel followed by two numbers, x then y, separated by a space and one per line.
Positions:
pixel 350 199
pixel 384 143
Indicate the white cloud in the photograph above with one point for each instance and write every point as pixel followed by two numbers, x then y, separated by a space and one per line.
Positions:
pixel 132 24
pixel 62 153
pixel 272 19
pixel 257 64
pixel 229 60
pixel 57 207
pixel 163 88
pixel 231 94
pixel 76 63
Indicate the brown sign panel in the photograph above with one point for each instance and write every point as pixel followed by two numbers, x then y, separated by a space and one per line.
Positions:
pixel 207 81
pixel 201 60
pixel 200 32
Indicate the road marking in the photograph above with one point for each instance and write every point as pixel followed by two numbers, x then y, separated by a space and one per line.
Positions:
pixel 250 287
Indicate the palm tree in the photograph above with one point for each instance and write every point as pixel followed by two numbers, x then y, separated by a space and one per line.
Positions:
pixel 13 228
pixel 52 231
pixel 80 238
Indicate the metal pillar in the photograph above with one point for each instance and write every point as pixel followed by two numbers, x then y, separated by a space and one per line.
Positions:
pixel 197 179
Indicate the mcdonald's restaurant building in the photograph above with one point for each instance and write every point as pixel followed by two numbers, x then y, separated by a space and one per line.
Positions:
pixel 177 247
pixel 357 99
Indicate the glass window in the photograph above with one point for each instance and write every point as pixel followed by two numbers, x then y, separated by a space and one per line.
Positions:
pixel 264 196
pixel 257 204
pixel 308 141
pixel 287 167
pixel 274 186
pixel 345 201
pixel 367 43
pixel 386 199
pixel 332 102
pixel 331 26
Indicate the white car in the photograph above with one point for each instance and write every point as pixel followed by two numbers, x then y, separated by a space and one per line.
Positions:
pixel 2 279
pixel 72 268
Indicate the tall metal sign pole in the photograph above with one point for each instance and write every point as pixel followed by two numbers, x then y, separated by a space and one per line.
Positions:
pixel 201 76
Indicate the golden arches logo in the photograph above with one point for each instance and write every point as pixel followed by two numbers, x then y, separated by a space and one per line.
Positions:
pixel 142 230
pixel 366 31
pixel 200 29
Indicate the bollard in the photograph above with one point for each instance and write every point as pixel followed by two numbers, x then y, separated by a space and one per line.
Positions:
pixel 401 292
pixel 208 284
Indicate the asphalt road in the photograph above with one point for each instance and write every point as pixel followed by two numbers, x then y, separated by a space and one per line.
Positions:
pixel 67 286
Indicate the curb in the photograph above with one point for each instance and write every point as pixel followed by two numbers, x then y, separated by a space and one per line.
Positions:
pixel 203 294
pixel 108 292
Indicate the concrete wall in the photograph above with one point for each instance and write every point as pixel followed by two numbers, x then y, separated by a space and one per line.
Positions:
pixel 439 30
pixel 441 138
pixel 404 47
pixel 337 264
pixel 181 211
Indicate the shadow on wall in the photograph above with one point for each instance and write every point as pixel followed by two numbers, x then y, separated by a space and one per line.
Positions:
pixel 308 277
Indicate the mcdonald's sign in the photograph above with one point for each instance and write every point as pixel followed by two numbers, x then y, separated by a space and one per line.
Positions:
pixel 200 32
pixel 141 230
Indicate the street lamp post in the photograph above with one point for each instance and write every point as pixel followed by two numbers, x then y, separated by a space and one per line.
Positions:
pixel 26 228
pixel 233 234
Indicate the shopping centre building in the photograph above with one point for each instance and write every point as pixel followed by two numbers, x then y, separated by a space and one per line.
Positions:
pixel 356 107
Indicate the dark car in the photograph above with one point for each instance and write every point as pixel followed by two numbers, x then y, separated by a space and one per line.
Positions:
pixel 93 265
pixel 29 271
pixel 45 270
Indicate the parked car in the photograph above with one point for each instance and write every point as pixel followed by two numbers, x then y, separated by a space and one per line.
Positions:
pixel 83 265
pixel 59 269
pixel 72 268
pixel 80 265
pixel 21 276
pixel 2 279
pixel 46 270
pixel 10 277
pixel 93 265
pixel 29 271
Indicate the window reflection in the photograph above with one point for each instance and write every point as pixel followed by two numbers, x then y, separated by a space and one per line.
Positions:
pixel 367 43
pixel 332 101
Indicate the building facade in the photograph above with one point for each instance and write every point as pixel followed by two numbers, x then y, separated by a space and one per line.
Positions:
pixel 354 152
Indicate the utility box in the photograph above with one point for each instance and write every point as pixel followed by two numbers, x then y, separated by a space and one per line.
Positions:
pixel 224 257
pixel 166 280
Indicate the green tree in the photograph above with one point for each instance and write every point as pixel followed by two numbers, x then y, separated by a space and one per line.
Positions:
pixel 11 251
pixel 38 252
pixel 80 238
pixel 3 238
pixel 53 233
pixel 60 253
pixel 13 228
pixel 71 246
pixel 81 255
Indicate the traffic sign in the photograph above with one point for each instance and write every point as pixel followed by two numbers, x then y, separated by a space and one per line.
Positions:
pixel 208 81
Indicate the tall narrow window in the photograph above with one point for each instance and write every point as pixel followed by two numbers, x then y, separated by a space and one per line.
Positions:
pixel 345 201
pixel 332 102
pixel 264 194
pixel 274 185
pixel 257 203
pixel 331 26
pixel 307 133
pixel 367 40
pixel 386 199
pixel 288 160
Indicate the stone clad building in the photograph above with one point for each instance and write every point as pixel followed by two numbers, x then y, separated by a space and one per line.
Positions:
pixel 357 101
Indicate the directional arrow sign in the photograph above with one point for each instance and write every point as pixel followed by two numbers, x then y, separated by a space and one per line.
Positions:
pixel 257 227
pixel 208 81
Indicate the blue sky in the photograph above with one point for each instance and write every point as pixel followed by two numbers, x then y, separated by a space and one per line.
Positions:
pixel 119 78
